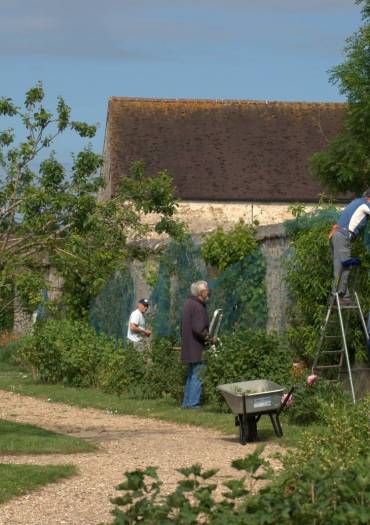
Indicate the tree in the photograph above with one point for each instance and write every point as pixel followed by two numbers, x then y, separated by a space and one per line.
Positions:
pixel 51 215
pixel 345 164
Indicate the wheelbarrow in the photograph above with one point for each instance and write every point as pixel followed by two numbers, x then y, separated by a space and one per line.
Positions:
pixel 249 400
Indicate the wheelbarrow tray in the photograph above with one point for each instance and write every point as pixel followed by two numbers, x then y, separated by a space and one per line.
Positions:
pixel 261 395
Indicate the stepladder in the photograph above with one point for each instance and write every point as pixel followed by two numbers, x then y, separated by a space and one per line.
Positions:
pixel 332 357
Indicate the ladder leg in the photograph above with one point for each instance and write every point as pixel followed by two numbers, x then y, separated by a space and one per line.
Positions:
pixel 363 322
pixel 345 348
pixel 322 334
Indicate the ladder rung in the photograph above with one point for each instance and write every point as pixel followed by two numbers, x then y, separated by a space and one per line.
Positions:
pixel 332 352
pixel 332 336
pixel 328 366
pixel 346 306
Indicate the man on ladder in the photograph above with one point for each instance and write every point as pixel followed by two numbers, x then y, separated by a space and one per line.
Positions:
pixel 351 223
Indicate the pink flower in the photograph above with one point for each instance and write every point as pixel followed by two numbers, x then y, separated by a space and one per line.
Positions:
pixel 290 400
pixel 312 379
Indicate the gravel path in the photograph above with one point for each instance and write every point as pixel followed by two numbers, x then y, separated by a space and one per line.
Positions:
pixel 125 443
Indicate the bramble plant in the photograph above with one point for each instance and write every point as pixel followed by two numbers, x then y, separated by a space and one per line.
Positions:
pixel 51 216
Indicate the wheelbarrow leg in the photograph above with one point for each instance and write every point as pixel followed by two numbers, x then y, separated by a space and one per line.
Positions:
pixel 247 425
pixel 242 430
pixel 276 424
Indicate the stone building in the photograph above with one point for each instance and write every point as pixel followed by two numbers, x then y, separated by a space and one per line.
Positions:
pixel 229 159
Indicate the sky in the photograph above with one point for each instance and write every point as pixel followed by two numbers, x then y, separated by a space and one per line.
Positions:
pixel 89 50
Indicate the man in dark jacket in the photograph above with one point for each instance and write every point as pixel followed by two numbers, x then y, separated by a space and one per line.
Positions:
pixel 194 335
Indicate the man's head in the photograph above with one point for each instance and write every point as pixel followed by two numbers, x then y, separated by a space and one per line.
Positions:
pixel 366 194
pixel 200 290
pixel 143 305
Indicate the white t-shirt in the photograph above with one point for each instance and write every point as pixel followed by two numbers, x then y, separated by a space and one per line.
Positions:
pixel 136 318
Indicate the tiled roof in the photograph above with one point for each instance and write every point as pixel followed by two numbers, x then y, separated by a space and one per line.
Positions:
pixel 222 150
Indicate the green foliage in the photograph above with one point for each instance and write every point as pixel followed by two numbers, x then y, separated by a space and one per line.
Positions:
pixel 152 374
pixel 241 292
pixel 221 249
pixel 310 402
pixel 121 370
pixel 324 481
pixel 345 164
pixel 193 499
pixel 51 216
pixel 245 355
pixel 68 351
pixel 73 353
pixel 309 276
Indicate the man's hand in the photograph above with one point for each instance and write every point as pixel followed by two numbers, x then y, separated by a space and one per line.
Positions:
pixel 147 333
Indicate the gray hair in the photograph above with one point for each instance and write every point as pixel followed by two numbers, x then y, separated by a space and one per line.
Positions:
pixel 366 193
pixel 198 287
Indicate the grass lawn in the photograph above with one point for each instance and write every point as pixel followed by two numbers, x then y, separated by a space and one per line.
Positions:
pixel 16 380
pixel 18 438
pixel 16 480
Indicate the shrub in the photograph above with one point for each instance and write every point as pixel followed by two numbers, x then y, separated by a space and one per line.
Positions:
pixel 165 374
pixel 245 355
pixel 221 249
pixel 152 374
pixel 325 481
pixel 119 369
pixel 68 351
pixel 310 402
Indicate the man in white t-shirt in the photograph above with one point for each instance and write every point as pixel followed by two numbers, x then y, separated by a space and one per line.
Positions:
pixel 136 325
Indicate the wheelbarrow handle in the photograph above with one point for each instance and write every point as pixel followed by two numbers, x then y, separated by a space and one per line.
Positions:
pixel 286 399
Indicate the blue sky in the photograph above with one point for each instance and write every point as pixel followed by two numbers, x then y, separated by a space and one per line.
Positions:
pixel 88 50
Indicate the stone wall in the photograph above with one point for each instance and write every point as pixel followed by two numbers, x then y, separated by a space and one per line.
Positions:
pixel 274 246
pixel 204 217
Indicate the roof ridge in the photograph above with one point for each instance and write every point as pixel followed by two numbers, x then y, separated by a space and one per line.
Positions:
pixel 220 101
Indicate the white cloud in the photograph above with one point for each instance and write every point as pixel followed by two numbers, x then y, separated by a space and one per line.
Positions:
pixel 145 29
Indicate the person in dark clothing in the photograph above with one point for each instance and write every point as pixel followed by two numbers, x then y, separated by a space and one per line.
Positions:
pixel 351 223
pixel 194 336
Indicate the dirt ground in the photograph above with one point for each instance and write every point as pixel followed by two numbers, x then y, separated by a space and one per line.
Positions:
pixel 124 443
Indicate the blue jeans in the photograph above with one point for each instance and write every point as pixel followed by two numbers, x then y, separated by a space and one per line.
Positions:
pixel 193 386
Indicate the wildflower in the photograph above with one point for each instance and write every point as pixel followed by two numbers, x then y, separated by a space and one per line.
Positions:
pixel 312 379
